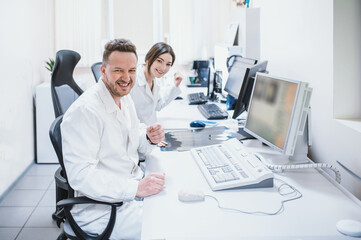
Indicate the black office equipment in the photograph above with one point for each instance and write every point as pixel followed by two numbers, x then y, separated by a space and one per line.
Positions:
pixel 217 82
pixel 96 70
pixel 245 92
pixel 212 111
pixel 65 205
pixel 64 89
pixel 236 74
pixel 202 69
pixel 197 98
pixel 210 85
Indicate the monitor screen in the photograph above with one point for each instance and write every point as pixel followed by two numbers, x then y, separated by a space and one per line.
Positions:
pixel 244 96
pixel 236 75
pixel 270 112
pixel 278 111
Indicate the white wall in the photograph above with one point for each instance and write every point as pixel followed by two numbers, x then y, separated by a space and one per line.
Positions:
pixel 27 40
pixel 297 40
pixel 347 70
pixel 195 26
pixel 133 20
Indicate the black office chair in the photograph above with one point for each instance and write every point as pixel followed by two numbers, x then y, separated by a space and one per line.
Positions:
pixel 96 70
pixel 66 204
pixel 64 91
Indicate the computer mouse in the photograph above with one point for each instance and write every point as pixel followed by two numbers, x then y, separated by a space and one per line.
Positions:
pixel 349 227
pixel 179 98
pixel 190 195
pixel 197 124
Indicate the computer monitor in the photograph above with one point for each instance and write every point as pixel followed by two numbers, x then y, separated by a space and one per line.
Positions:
pixel 236 74
pixel 211 75
pixel 244 95
pixel 278 115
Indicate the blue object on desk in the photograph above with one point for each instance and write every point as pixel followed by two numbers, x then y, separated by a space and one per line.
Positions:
pixel 197 124
pixel 231 102
pixel 203 123
pixel 209 123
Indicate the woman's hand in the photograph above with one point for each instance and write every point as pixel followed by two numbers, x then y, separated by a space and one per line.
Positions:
pixel 178 77
pixel 162 144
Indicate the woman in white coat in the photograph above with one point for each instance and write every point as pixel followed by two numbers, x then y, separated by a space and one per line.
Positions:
pixel 147 93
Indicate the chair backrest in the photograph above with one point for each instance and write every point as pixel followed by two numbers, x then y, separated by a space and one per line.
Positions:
pixel 96 71
pixel 55 138
pixel 64 90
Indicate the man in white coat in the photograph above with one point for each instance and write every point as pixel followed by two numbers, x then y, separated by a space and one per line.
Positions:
pixel 101 137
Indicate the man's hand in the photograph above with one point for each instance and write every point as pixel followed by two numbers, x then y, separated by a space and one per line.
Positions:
pixel 155 133
pixel 177 78
pixel 150 185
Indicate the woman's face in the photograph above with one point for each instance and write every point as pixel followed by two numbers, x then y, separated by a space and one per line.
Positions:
pixel 161 65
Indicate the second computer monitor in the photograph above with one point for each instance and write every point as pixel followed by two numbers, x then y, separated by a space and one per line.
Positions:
pixel 246 87
pixel 236 74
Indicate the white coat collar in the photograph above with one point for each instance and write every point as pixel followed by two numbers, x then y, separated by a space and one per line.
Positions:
pixel 107 99
pixel 141 81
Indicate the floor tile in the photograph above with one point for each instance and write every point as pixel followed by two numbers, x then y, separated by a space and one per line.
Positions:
pixel 22 198
pixel 14 216
pixel 43 169
pixel 39 233
pixel 41 217
pixel 48 199
pixel 34 182
pixel 52 185
pixel 9 233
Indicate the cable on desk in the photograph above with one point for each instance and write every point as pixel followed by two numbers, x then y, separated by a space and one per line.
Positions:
pixel 282 190
pixel 308 165
pixel 301 166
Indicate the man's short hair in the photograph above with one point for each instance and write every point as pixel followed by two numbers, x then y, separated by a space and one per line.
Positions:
pixel 121 45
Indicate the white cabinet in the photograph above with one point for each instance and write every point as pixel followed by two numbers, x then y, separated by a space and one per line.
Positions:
pixel 249 37
pixel 44 118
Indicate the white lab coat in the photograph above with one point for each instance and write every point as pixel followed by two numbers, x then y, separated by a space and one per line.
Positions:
pixel 100 150
pixel 147 102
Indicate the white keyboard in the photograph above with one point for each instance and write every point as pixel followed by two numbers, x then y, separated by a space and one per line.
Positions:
pixel 230 165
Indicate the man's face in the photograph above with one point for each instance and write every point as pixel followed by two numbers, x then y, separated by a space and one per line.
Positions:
pixel 119 73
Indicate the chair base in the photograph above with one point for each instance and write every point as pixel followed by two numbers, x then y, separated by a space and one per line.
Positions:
pixel 62 236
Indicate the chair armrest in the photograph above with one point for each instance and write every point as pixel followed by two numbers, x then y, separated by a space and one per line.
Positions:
pixel 84 200
pixel 68 203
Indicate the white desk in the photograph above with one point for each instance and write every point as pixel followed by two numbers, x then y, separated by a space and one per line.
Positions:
pixel 314 216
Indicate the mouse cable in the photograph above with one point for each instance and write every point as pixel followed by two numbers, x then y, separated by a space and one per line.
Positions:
pixel 284 189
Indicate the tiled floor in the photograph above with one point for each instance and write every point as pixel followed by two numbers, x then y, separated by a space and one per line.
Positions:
pixel 25 212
